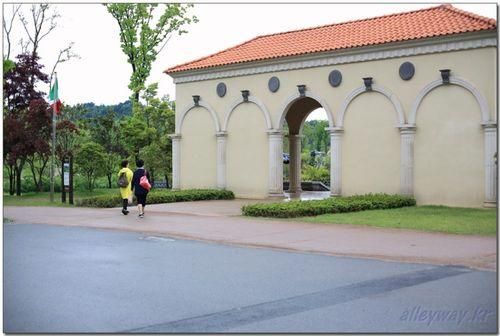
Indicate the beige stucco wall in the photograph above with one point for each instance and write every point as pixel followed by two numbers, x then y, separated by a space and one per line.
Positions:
pixel 247 152
pixel 198 151
pixel 449 150
pixel 371 146
pixel 476 66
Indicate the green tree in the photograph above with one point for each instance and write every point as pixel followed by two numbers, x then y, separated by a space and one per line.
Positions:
pixel 105 130
pixel 160 113
pixel 135 135
pixel 8 65
pixel 321 136
pixel 311 173
pixel 143 38
pixel 90 159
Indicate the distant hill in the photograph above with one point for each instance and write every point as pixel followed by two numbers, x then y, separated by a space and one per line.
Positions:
pixel 121 109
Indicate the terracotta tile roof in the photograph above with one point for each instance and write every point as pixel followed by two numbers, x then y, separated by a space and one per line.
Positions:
pixel 430 22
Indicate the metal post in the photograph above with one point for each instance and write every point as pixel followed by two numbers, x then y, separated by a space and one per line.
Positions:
pixel 71 179
pixel 63 189
pixel 53 148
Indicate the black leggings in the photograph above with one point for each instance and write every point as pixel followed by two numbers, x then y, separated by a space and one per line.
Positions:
pixel 141 199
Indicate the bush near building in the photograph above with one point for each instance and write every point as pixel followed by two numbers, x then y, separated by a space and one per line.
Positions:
pixel 330 205
pixel 156 197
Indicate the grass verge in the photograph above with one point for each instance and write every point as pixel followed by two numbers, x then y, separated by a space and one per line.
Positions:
pixel 468 221
pixel 43 198
pixel 108 198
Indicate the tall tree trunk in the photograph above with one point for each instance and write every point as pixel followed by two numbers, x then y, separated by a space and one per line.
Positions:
pixel 89 180
pixel 12 177
pixel 166 180
pixel 40 174
pixel 19 169
pixel 31 163
pixel 109 179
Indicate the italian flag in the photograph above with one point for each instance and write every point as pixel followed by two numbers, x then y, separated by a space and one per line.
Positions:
pixel 55 103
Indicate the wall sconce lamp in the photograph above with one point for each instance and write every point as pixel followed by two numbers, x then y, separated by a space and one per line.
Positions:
pixel 245 94
pixel 368 83
pixel 302 90
pixel 196 100
pixel 445 75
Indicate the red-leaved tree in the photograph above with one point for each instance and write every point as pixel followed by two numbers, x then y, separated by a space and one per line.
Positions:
pixel 24 130
pixel 38 121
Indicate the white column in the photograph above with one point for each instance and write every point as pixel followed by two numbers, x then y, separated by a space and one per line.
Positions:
pixel 275 163
pixel 335 160
pixel 490 168
pixel 295 142
pixel 407 145
pixel 221 159
pixel 176 161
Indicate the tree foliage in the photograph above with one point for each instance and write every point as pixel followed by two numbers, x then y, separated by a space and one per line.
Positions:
pixel 315 136
pixel 38 130
pixel 142 37
pixel 105 130
pixel 158 114
pixel 20 83
pixel 90 159
pixel 8 65
pixel 91 110
pixel 24 117
pixel 67 138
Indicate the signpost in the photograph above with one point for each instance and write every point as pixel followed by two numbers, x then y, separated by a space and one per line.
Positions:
pixel 67 179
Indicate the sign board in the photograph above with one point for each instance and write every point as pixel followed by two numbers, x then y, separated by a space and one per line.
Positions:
pixel 66 175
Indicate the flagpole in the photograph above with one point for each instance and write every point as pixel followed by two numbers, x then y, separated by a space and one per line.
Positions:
pixel 53 148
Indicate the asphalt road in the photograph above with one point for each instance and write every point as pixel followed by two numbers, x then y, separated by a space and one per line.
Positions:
pixel 66 279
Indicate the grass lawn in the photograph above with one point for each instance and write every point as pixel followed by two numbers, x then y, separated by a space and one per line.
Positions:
pixel 424 218
pixel 43 198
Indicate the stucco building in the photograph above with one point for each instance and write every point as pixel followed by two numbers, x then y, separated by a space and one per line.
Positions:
pixel 410 99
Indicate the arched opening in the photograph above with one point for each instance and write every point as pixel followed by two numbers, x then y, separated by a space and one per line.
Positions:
pixel 306 145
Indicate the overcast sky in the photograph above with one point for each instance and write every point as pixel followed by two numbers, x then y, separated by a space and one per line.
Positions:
pixel 101 75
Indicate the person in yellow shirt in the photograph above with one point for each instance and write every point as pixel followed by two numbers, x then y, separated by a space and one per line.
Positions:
pixel 124 182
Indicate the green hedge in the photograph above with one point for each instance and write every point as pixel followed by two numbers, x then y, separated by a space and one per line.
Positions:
pixel 156 197
pixel 329 205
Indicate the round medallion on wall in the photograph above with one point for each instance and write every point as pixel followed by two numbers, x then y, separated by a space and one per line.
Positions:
pixel 406 70
pixel 335 78
pixel 221 89
pixel 273 84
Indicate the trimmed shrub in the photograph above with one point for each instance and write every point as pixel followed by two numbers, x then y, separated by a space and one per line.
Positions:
pixel 103 201
pixel 157 197
pixel 311 173
pixel 330 205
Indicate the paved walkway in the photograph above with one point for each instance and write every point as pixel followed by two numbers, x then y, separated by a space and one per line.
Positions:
pixel 220 221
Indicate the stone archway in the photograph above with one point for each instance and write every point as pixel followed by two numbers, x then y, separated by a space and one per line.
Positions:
pixel 295 112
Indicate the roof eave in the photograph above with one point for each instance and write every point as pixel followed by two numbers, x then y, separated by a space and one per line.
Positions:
pixel 385 47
